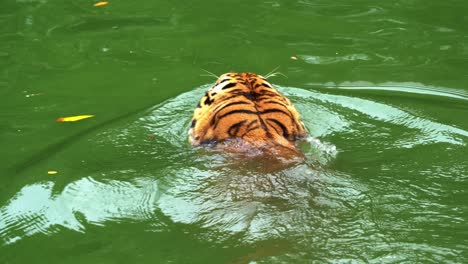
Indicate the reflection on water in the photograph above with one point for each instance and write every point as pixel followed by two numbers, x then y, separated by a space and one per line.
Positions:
pixel 311 206
pixel 36 208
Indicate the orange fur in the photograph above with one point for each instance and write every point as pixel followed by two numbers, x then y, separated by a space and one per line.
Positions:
pixel 243 111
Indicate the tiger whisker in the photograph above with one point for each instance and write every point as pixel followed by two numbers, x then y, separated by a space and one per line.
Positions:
pixel 276 74
pixel 210 74
pixel 206 75
pixel 271 73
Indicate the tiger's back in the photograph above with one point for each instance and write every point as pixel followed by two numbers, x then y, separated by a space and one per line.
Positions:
pixel 243 110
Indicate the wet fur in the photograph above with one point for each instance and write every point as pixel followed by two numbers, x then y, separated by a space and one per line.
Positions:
pixel 243 112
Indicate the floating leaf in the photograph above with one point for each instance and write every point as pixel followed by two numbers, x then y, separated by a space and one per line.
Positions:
pixel 101 3
pixel 73 118
pixel 52 172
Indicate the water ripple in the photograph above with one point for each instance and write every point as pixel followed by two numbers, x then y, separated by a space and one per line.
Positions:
pixel 327 212
pixel 430 131
pixel 330 60
pixel 406 87
pixel 35 209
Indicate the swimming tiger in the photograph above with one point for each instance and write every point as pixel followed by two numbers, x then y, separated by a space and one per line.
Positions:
pixel 244 111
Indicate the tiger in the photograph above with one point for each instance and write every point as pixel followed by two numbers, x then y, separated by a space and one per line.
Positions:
pixel 243 111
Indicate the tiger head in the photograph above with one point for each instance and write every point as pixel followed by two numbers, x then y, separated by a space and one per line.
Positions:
pixel 243 110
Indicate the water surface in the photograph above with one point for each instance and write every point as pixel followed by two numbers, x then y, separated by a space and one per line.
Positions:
pixel 381 88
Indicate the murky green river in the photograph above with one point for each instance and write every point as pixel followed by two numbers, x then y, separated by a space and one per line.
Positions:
pixel 382 87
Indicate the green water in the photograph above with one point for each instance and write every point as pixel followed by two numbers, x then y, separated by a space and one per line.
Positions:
pixel 381 86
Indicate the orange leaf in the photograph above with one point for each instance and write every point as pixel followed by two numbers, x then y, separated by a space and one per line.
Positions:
pixel 101 3
pixel 72 118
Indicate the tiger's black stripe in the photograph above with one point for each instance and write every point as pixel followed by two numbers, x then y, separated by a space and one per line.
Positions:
pixel 223 80
pixel 234 129
pixel 262 123
pixel 250 129
pixel 276 102
pixel 229 85
pixel 253 122
pixel 282 126
pixel 275 110
pixel 243 111
pixel 217 110
pixel 261 98
pixel 269 91
pixel 240 111
pixel 208 101
pixel 235 91
pixel 288 113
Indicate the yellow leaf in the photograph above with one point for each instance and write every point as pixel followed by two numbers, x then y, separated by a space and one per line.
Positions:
pixel 101 3
pixel 52 172
pixel 73 118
